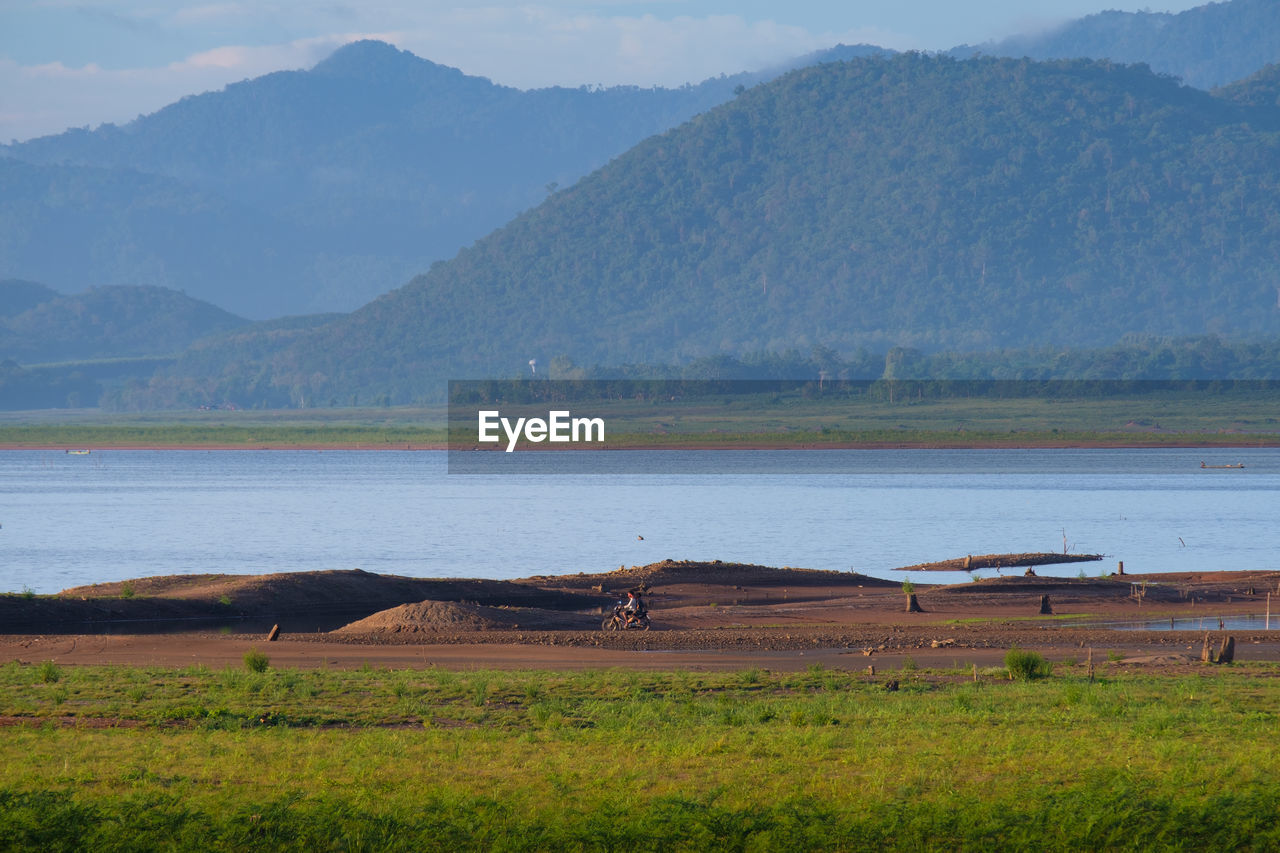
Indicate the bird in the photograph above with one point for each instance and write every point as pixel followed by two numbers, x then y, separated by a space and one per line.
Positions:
pixel 641 538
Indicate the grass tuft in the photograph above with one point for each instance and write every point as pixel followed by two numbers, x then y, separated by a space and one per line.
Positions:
pixel 1025 665
pixel 256 661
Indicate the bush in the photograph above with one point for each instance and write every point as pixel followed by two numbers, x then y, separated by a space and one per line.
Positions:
pixel 256 661
pixel 49 672
pixel 1026 665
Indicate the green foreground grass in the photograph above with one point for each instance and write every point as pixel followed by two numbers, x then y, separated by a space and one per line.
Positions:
pixel 123 758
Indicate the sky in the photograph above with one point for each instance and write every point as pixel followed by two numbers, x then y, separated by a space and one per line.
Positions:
pixel 81 63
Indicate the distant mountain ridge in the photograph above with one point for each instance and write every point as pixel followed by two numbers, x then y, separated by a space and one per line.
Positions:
pixel 305 191
pixel 1206 46
pixel 913 201
pixel 41 325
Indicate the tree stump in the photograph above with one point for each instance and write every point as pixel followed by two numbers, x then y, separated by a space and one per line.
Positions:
pixel 1206 650
pixel 274 634
pixel 1227 652
pixel 891 685
pixel 913 606
pixel 1045 608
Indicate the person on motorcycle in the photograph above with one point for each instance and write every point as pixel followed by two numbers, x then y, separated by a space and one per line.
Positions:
pixel 633 607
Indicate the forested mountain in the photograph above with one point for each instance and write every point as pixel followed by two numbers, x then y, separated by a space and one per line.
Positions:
pixel 915 201
pixel 1207 46
pixel 1258 90
pixel 315 190
pixel 40 325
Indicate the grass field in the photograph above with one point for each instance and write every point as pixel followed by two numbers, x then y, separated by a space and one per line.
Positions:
pixel 120 758
pixel 1211 417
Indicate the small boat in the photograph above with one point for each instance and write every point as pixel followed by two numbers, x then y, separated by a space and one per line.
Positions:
pixel 78 452
pixel 1236 465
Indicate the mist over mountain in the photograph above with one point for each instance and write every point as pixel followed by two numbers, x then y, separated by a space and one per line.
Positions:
pixel 1205 47
pixel 305 191
pixel 914 201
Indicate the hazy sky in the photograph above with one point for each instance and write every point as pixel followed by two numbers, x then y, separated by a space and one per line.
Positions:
pixel 72 63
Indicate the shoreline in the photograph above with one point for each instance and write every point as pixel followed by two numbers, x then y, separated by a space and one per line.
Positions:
pixel 1102 443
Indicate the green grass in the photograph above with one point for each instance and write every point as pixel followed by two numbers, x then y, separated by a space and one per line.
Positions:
pixel 1218 418
pixel 753 760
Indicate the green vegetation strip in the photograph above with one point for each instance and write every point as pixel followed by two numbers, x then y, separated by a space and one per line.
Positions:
pixel 108 758
pixel 216 435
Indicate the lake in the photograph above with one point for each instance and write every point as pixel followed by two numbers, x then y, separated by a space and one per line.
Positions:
pixel 69 520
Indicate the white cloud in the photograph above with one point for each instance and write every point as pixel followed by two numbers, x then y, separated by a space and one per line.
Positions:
pixel 531 47
pixel 41 99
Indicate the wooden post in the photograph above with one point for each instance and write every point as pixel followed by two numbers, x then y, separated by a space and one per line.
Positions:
pixel 975 672
pixel 275 633
pixel 1121 568
pixel 1268 624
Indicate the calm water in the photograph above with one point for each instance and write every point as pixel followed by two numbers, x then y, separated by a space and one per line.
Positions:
pixel 70 520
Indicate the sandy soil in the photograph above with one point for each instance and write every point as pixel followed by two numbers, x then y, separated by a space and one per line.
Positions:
pixel 706 616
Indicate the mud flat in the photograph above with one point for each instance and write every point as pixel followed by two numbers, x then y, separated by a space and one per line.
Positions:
pixel 707 615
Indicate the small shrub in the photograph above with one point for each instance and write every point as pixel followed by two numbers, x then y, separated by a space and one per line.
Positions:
pixel 907 586
pixel 27 592
pixel 908 664
pixel 224 600
pixel 1026 665
pixel 256 661
pixel 49 672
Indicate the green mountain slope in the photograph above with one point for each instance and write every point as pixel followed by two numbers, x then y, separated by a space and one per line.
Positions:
pixel 914 201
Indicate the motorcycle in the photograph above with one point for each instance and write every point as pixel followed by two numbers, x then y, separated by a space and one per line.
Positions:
pixel 619 621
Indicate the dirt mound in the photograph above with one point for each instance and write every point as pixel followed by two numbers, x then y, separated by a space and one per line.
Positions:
pixel 675 572
pixel 451 617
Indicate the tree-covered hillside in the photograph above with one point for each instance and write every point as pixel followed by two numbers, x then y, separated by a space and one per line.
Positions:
pixel 1206 46
pixel 314 190
pixel 915 201
pixel 103 323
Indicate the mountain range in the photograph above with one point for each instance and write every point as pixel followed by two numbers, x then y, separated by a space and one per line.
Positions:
pixel 863 200
pixel 305 191
pixel 918 201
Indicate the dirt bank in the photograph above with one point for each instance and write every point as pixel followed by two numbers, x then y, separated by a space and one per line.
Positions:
pixel 706 615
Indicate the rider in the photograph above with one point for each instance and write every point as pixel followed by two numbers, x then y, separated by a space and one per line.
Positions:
pixel 633 608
